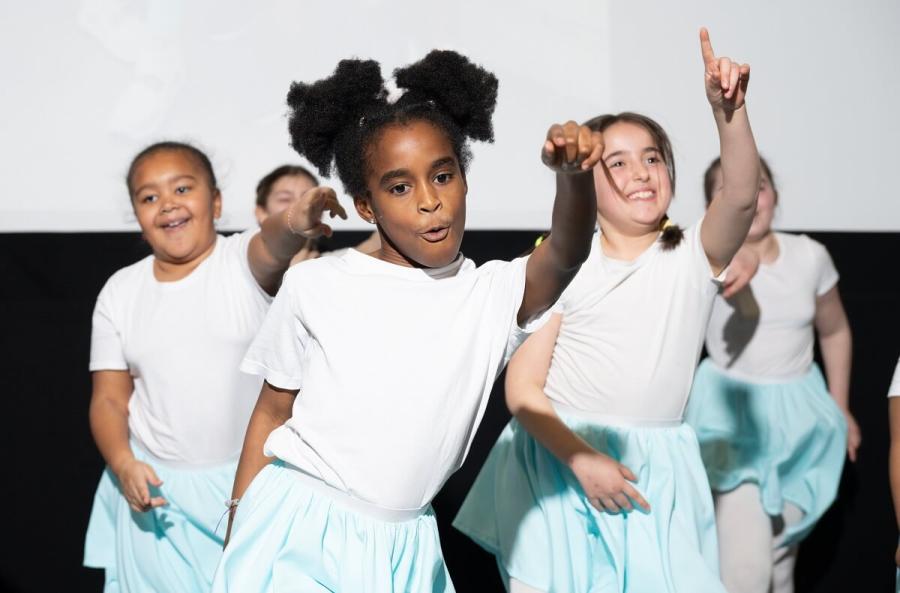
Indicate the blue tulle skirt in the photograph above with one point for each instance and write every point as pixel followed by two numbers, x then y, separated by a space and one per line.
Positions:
pixel 788 437
pixel 529 510
pixel 167 549
pixel 294 534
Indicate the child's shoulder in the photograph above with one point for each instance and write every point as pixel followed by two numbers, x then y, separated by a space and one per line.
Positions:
pixel 800 244
pixel 126 284
pixel 324 268
pixel 132 274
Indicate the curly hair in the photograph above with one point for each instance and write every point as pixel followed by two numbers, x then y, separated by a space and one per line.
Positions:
pixel 336 121
pixel 672 234
pixel 171 146
pixel 264 187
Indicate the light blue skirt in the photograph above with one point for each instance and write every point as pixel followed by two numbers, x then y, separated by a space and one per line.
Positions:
pixel 789 438
pixel 529 510
pixel 293 533
pixel 167 549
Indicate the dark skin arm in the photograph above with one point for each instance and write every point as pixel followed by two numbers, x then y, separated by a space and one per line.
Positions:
pixel 571 151
pixel 273 408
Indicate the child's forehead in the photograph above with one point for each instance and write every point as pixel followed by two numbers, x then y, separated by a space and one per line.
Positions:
pixel 169 159
pixel 627 134
pixel 409 144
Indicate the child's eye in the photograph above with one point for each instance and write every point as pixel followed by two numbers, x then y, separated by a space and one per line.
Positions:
pixel 149 199
pixel 615 164
pixel 443 178
pixel 653 160
pixel 399 189
pixel 182 189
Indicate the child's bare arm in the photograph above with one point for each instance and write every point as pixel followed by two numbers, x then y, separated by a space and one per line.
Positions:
pixel 273 408
pixel 729 216
pixel 571 151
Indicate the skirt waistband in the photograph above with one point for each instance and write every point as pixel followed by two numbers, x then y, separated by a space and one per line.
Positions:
pixel 613 420
pixel 141 452
pixel 760 380
pixel 352 503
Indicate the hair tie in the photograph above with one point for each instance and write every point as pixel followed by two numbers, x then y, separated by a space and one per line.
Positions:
pixel 667 222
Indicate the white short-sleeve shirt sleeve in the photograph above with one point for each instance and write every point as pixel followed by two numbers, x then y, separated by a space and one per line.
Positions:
pixel 277 352
pixel 107 351
pixel 894 391
pixel 826 274
pixel 516 294
pixel 239 251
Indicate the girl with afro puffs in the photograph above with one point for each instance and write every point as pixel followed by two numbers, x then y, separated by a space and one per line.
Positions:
pixel 349 443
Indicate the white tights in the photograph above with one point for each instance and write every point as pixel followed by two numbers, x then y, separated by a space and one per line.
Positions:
pixel 749 553
pixel 750 559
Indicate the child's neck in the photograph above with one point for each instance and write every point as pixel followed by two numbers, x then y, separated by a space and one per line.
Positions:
pixel 173 271
pixel 766 247
pixel 625 246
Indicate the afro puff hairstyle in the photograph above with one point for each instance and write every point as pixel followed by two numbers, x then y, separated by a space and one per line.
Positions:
pixel 338 119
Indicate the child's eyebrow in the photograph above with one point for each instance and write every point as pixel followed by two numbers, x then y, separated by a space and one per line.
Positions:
pixel 620 152
pixel 154 184
pixel 447 160
pixel 393 175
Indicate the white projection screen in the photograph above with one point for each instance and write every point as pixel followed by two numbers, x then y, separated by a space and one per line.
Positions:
pixel 88 83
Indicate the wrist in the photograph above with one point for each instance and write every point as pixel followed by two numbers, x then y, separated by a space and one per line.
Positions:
pixel 579 458
pixel 122 461
pixel 725 115
pixel 294 220
pixel 576 176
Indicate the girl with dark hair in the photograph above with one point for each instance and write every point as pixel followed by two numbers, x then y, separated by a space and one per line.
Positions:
pixel 280 188
pixel 169 407
pixel 335 483
pixel 772 432
pixel 597 484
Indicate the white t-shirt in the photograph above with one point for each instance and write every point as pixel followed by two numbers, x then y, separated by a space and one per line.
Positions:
pixel 631 332
pixel 767 331
pixel 182 343
pixel 394 367
pixel 894 391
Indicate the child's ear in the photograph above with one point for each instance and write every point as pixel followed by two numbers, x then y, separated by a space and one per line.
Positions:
pixel 261 214
pixel 363 204
pixel 217 205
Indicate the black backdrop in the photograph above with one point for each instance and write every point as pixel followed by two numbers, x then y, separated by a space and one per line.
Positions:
pixel 50 466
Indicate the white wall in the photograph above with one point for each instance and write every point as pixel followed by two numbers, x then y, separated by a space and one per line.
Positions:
pixel 87 84
pixel 824 98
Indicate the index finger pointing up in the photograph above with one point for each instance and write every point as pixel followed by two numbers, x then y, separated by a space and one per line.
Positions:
pixel 709 57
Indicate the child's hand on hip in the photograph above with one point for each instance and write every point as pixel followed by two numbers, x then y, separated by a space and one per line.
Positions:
pixel 135 478
pixel 607 483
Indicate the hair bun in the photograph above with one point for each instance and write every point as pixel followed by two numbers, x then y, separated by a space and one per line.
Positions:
pixel 320 111
pixel 463 90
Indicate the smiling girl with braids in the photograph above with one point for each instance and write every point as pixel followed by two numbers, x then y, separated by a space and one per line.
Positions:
pixel 374 433
pixel 597 485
